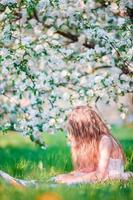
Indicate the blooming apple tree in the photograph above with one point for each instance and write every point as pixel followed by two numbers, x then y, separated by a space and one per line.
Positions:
pixel 56 54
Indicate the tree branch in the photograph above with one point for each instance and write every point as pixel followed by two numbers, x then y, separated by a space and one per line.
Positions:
pixel 74 38
pixel 101 67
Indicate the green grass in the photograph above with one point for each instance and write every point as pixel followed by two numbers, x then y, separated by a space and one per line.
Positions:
pixel 23 159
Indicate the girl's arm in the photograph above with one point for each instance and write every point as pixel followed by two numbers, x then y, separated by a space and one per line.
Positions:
pixel 105 148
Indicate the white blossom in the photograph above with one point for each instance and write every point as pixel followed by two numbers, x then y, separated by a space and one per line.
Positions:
pixel 90 93
pixel 69 53
pixel 123 115
pixel 5 2
pixel 66 96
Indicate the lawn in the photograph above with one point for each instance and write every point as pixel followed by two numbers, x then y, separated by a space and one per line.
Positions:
pixel 23 159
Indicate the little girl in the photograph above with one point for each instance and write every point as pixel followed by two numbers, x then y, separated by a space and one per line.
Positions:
pixel 96 154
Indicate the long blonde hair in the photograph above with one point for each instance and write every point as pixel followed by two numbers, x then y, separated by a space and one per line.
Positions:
pixel 87 128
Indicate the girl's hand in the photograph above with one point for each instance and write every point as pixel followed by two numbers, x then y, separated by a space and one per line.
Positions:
pixel 62 177
pixel 69 180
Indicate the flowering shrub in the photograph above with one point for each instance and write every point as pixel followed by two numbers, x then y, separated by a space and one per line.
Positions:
pixel 56 54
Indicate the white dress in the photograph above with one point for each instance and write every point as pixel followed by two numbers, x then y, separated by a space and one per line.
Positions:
pixel 115 167
pixel 116 170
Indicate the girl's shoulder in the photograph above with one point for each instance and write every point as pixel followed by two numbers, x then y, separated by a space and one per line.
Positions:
pixel 105 141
